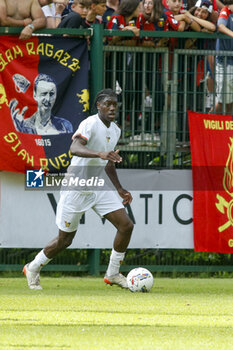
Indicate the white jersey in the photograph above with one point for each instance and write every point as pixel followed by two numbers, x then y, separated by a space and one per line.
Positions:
pixel 99 138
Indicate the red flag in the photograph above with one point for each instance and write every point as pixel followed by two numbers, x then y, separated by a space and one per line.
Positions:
pixel 43 98
pixel 211 141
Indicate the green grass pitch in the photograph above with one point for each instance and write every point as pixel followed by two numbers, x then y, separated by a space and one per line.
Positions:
pixel 84 313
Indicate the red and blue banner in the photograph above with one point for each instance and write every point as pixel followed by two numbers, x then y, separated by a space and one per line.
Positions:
pixel 211 138
pixel 43 98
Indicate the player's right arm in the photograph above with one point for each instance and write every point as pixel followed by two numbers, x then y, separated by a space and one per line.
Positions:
pixel 79 148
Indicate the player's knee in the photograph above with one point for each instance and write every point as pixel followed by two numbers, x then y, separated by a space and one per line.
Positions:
pixel 127 226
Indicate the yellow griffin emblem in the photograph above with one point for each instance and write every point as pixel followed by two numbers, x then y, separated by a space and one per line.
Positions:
pixel 84 99
pixel 222 204
pixel 3 98
pixel 67 223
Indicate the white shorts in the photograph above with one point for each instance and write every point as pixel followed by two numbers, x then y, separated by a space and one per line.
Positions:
pixel 73 204
pixel 224 80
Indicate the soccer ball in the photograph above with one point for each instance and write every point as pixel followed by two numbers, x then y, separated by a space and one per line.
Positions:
pixel 140 280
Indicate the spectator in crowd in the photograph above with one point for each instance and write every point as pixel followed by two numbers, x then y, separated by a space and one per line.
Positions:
pixel 224 67
pixel 178 21
pixel 53 12
pixel 111 7
pixel 124 19
pixel 201 14
pixel 97 9
pixel 76 18
pixel 212 8
pixel 14 15
pixel 152 18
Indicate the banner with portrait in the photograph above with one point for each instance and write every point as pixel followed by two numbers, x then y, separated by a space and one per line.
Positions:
pixel 43 98
pixel 211 138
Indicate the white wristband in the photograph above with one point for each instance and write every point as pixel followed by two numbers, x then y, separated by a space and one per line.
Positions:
pixel 31 26
pixel 58 15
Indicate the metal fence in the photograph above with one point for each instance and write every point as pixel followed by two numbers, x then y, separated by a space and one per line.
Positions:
pixel 156 89
pixel 95 261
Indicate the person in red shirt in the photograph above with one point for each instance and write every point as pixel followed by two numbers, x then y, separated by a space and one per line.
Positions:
pixel 152 18
pixel 124 19
pixel 178 21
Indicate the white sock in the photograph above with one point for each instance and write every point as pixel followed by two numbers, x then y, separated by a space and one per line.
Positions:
pixel 39 261
pixel 114 264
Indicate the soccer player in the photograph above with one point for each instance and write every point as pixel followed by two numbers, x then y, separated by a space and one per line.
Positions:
pixel 93 150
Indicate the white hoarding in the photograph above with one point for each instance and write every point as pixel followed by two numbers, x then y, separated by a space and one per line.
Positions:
pixel 161 210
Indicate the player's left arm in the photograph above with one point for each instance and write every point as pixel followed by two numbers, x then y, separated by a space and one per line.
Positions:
pixel 79 148
pixel 112 174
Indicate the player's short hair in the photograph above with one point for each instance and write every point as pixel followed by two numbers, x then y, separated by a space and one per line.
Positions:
pixel 43 77
pixel 127 7
pixel 104 93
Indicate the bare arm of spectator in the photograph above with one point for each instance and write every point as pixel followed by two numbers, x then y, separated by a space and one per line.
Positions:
pixel 219 4
pixel 53 22
pixel 186 20
pixel 134 29
pixel 124 40
pixel 223 29
pixel 211 27
pixel 182 23
pixel 38 21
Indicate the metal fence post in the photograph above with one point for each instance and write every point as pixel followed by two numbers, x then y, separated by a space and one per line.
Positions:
pixel 96 61
pixel 93 261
